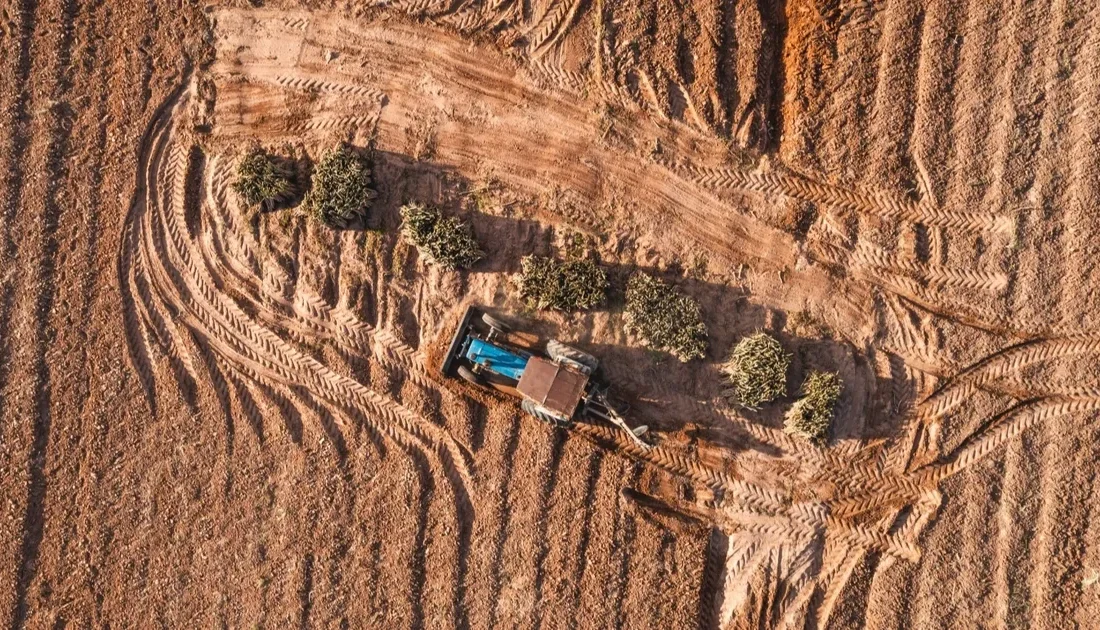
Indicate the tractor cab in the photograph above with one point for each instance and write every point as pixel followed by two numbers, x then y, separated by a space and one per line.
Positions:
pixel 486 356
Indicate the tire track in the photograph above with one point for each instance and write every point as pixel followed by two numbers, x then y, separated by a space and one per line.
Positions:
pixel 796 611
pixel 505 511
pixel 1053 587
pixel 307 84
pixel 59 133
pixel 542 527
pixel 333 123
pixel 596 563
pixel 938 70
pixel 307 316
pixel 713 568
pixel 16 140
pixel 1067 189
pixel 885 269
pixel 839 577
pixel 1015 136
pixel 1013 360
pixel 552 27
pixel 66 537
pixel 890 123
pixel 182 263
pixel 131 258
pixel 751 567
pixel 1016 508
pixel 970 117
pixel 154 273
pixel 1002 429
pixel 899 581
pixel 741 552
pixel 221 392
pixel 765 512
pixel 245 400
pixel 546 72
pixel 686 467
pixel 468 20
pixel 247 335
pixel 796 585
pixel 869 202
pixel 835 130
pixel 421 7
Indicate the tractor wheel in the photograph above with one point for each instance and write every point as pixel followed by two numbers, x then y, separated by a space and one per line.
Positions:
pixel 537 411
pixel 559 352
pixel 493 322
pixel 469 376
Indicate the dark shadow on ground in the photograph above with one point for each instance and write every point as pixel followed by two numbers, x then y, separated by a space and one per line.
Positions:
pixel 671 396
pixel 668 395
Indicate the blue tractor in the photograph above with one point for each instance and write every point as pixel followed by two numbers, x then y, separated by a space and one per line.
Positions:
pixel 559 386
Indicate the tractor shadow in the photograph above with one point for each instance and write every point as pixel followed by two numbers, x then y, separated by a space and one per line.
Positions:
pixel 691 399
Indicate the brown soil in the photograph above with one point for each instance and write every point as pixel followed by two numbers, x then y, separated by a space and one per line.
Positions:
pixel 210 418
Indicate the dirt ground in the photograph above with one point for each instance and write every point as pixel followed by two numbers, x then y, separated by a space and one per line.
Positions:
pixel 211 419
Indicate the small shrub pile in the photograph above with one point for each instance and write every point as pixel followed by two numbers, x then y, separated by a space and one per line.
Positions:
pixel 664 319
pixel 261 180
pixel 757 370
pixel 445 241
pixel 341 189
pixel 812 415
pixel 571 285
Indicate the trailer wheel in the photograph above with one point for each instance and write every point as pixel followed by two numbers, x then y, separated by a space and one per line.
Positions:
pixel 469 376
pixel 493 322
pixel 559 352
pixel 539 412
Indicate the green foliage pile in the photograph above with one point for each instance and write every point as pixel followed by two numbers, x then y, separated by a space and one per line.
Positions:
pixel 664 319
pixel 572 285
pixel 445 241
pixel 261 181
pixel 758 370
pixel 812 415
pixel 341 189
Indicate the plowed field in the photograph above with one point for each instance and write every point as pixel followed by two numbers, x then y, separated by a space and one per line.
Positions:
pixel 210 418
